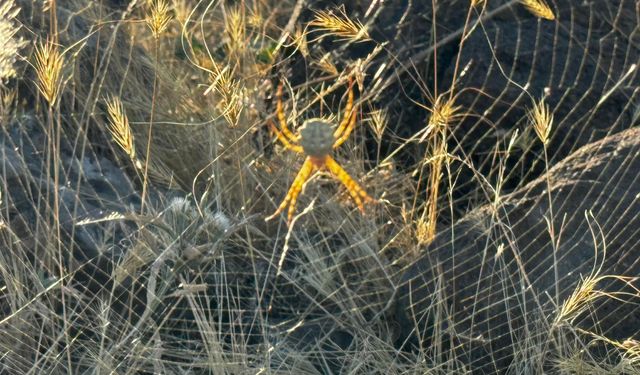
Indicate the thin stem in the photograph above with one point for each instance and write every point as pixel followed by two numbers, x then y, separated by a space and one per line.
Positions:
pixel 462 39
pixel 145 179
pixel 54 140
pixel 552 231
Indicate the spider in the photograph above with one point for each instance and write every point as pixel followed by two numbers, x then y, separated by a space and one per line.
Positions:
pixel 316 139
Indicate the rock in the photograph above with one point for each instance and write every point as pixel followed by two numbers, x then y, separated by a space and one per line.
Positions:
pixel 463 272
pixel 89 187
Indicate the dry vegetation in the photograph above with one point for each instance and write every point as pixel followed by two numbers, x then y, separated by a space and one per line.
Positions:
pixel 138 242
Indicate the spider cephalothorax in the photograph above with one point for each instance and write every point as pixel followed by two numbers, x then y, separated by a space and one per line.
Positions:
pixel 316 139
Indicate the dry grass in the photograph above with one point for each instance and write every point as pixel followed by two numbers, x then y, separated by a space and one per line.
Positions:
pixel 197 281
pixel 159 16
pixel 235 30
pixel 578 365
pixel 378 120
pixel 338 23
pixel 48 64
pixel 579 304
pixel 229 92
pixel 9 44
pixel 326 64
pixel 120 129
pixel 541 119
pixel 7 104
pixel 586 294
pixel 538 8
pixel 443 112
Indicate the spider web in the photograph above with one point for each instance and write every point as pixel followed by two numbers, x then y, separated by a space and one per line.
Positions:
pixel 494 272
pixel 209 288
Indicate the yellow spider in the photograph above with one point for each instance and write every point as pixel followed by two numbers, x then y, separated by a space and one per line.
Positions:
pixel 316 139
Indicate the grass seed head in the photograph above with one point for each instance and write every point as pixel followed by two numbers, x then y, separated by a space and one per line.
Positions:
pixel 340 25
pixel 424 231
pixel 378 120
pixel 9 45
pixel 235 30
pixel 48 64
pixel 182 11
pixel 300 41
pixel 541 118
pixel 7 101
pixel 443 110
pixel 159 17
pixel 586 293
pixel 228 91
pixel 120 129
pixel 539 9
pixel 326 64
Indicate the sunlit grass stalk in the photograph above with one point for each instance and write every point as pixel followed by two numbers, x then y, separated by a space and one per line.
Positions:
pixel 442 111
pixel 427 223
pixel 145 175
pixel 49 63
pixel 465 33
pixel 158 20
pixel 541 118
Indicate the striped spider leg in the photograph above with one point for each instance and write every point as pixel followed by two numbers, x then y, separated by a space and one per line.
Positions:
pixel 316 140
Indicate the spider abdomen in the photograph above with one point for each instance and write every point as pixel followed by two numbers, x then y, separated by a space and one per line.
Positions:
pixel 316 137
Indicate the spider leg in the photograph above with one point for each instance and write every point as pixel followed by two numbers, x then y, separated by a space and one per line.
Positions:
pixel 346 120
pixel 292 196
pixel 282 118
pixel 285 141
pixel 347 132
pixel 356 191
